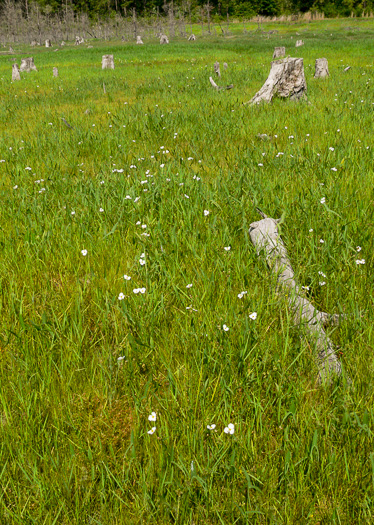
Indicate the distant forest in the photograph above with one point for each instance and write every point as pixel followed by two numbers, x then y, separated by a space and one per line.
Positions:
pixel 191 9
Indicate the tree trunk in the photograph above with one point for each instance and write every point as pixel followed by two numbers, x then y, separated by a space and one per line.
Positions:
pixel 27 64
pixel 15 72
pixel 107 62
pixel 322 68
pixel 286 79
pixel 279 52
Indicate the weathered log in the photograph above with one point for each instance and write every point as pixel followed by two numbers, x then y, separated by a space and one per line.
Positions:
pixel 265 237
pixel 322 68
pixel 164 39
pixel 286 79
pixel 55 72
pixel 139 40
pixel 299 43
pixel 192 38
pixel 15 72
pixel 48 43
pixel 279 52
pixel 27 65
pixel 347 68
pixel 218 88
pixel 107 62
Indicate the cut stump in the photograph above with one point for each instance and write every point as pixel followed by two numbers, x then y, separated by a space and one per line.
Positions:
pixel 192 38
pixel 164 39
pixel 15 72
pixel 107 62
pixel 139 40
pixel 217 70
pixel 27 65
pixel 48 43
pixel 279 52
pixel 299 43
pixel 79 40
pixel 55 72
pixel 322 68
pixel 267 241
pixel 286 79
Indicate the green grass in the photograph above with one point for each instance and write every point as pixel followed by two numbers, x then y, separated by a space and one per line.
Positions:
pixel 74 446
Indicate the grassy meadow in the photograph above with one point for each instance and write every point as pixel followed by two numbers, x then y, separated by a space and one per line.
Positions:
pixel 124 254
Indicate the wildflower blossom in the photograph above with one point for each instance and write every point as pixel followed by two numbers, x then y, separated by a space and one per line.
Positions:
pixel 225 328
pixel 211 427
pixel 152 431
pixel 84 253
pixel 189 285
pixel 230 429
pixel 253 316
pixel 152 416
pixel 323 200
pixel 360 261
pixel 121 296
pixel 206 213
pixel 127 277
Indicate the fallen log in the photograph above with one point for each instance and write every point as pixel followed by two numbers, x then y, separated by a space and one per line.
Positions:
pixel 265 237
pixel 218 88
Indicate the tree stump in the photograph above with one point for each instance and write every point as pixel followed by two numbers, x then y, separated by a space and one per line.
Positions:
pixel 225 66
pixel 192 38
pixel 299 43
pixel 107 62
pixel 27 65
pixel 322 68
pixel 79 40
pixel 48 43
pixel 279 52
pixel 15 72
pixel 286 79
pixel 164 39
pixel 62 44
pixel 139 40
pixel 217 70
pixel 55 72
pixel 33 43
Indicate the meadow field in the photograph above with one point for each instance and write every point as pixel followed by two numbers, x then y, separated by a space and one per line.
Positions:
pixel 149 371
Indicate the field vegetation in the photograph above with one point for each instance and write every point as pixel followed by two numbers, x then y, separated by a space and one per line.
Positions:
pixel 129 285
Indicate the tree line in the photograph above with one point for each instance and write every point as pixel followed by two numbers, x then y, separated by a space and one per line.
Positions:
pixel 193 8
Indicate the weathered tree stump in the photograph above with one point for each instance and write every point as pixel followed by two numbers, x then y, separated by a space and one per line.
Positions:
pixel 11 50
pixel 139 40
pixel 299 43
pixel 192 38
pixel 107 62
pixel 217 70
pixel 48 43
pixel 15 72
pixel 33 43
pixel 27 65
pixel 164 39
pixel 62 44
pixel 286 79
pixel 55 72
pixel 79 40
pixel 279 52
pixel 225 66
pixel 322 68
pixel 267 241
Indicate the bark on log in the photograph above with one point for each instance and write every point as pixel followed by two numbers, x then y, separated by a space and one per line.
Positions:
pixel 265 237
pixel 217 70
pixel 192 38
pixel 27 64
pixel 286 79
pixel 322 68
pixel 164 39
pixel 107 62
pixel 299 43
pixel 279 52
pixel 55 72
pixel 139 40
pixel 15 73
pixel 48 43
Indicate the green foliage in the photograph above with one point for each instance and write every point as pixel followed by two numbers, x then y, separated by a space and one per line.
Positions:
pixel 81 370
